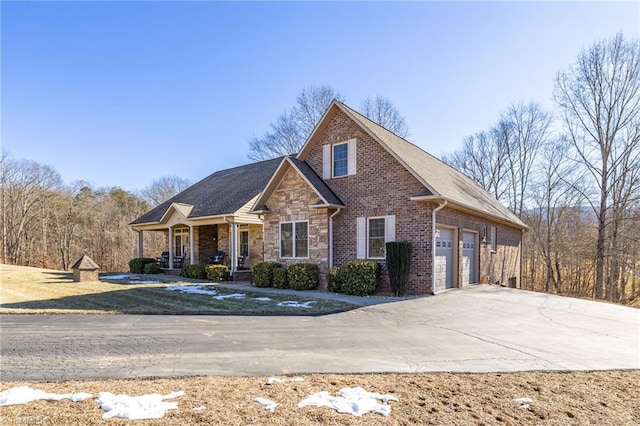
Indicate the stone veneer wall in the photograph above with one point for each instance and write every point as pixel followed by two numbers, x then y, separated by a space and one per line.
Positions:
pixel 256 246
pixel 290 202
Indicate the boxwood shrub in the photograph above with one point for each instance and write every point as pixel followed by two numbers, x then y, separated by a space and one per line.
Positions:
pixel 197 271
pixel 359 278
pixel 334 283
pixel 152 268
pixel 217 272
pixel 136 265
pixel 280 276
pixel 303 276
pixel 262 274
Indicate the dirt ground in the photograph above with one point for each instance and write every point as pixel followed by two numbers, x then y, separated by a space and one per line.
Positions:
pixel 599 398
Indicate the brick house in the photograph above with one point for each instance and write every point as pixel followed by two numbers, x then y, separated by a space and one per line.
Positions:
pixel 355 186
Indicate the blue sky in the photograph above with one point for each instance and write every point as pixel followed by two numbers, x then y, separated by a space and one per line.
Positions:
pixel 121 93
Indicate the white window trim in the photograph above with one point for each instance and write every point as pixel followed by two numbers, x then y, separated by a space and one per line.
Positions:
pixel 293 222
pixel 493 239
pixel 328 159
pixel 240 231
pixel 333 160
pixel 363 240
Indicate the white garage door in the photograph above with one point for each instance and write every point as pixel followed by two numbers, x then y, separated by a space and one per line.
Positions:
pixel 444 259
pixel 469 256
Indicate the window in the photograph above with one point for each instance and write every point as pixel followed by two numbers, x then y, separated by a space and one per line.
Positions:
pixel 493 239
pixel 181 242
pixel 372 235
pixel 244 243
pixel 376 238
pixel 294 239
pixel 340 160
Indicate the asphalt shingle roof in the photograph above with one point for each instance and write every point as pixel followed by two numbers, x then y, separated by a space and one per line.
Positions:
pixel 85 263
pixel 223 192
pixel 438 176
pixel 315 180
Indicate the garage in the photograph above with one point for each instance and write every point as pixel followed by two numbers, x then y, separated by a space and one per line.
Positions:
pixel 444 259
pixel 469 258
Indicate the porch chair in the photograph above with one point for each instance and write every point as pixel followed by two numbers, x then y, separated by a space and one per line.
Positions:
pixel 241 260
pixel 163 260
pixel 178 261
pixel 217 259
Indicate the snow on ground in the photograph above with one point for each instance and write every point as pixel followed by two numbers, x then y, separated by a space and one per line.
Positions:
pixel 131 279
pixel 25 394
pixel 230 296
pixel 200 408
pixel 268 404
pixel 192 289
pixel 295 304
pixel 262 299
pixel 116 277
pixel 143 281
pixel 525 402
pixel 356 401
pixel 152 406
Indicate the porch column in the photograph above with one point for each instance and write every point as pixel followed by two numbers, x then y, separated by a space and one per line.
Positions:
pixel 192 246
pixel 234 247
pixel 140 245
pixel 170 248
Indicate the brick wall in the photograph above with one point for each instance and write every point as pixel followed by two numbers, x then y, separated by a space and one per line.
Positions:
pixel 207 243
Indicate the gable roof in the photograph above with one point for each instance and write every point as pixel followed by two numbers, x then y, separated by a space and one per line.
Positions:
pixel 222 193
pixel 85 263
pixel 327 196
pixel 441 180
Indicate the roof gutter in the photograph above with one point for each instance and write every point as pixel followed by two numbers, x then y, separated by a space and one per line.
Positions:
pixel 433 244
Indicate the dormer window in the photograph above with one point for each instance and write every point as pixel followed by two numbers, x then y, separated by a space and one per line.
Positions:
pixel 339 159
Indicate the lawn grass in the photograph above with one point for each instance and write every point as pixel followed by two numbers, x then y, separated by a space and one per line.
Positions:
pixel 41 291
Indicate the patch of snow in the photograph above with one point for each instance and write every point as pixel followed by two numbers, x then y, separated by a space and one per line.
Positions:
pixel 296 304
pixel 200 408
pixel 525 402
pixel 268 404
pixel 116 277
pixel 151 406
pixel 143 281
pixel 230 296
pixel 297 379
pixel 262 299
pixel 191 289
pixel 356 401
pixel 25 394
pixel 272 380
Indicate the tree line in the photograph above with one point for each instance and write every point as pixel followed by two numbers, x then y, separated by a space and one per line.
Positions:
pixel 571 174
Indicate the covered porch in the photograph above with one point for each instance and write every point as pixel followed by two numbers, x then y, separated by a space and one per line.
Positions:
pixel 193 241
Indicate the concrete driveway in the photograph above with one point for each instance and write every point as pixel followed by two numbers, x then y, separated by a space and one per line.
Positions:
pixel 476 329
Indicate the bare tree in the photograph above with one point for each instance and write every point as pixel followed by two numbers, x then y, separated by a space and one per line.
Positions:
pixel 290 130
pixel 383 112
pixel 162 189
pixel 599 97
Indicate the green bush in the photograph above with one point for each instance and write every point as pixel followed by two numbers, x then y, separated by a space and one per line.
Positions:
pixel 152 268
pixel 398 265
pixel 334 278
pixel 359 278
pixel 197 271
pixel 184 270
pixel 136 265
pixel 303 276
pixel 280 277
pixel 262 274
pixel 217 272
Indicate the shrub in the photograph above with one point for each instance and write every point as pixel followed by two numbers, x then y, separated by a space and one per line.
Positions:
pixel 217 272
pixel 262 274
pixel 152 268
pixel 136 265
pixel 303 276
pixel 359 278
pixel 334 278
pixel 280 277
pixel 398 265
pixel 184 270
pixel 197 271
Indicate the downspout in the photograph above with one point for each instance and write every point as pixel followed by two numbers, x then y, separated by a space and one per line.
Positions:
pixel 433 245
pixel 331 236
pixel 232 246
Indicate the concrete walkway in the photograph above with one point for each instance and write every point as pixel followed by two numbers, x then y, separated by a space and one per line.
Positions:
pixel 476 329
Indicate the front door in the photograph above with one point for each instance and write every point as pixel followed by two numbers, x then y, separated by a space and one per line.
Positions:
pixel 181 242
pixel 444 259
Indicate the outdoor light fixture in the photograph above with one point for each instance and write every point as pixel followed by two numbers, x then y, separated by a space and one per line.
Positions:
pixel 484 236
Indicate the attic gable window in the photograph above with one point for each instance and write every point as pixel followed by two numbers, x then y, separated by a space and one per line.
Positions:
pixel 339 159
